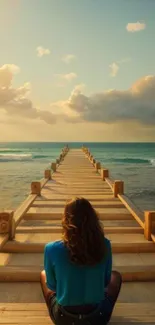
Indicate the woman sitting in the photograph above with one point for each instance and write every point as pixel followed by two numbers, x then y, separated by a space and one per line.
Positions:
pixel 78 284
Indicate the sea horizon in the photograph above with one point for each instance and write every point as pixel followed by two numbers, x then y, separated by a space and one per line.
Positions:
pixel 81 142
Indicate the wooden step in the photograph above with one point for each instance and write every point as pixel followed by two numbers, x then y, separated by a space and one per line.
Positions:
pixel 24 292
pixel 37 313
pixel 34 246
pixel 58 229
pixel 119 260
pixel 96 205
pixel 106 223
pixel 62 200
pixel 113 237
pixel 31 273
pixel 46 194
pixel 46 213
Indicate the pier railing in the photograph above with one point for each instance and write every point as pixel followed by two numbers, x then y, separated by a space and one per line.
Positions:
pixel 145 219
pixel 9 220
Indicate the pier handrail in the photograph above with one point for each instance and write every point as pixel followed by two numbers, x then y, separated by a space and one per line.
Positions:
pixel 110 182
pixel 132 208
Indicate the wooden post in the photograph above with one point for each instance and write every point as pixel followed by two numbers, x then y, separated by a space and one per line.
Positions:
pixel 97 166
pixel 36 188
pixel 6 219
pixel 149 221
pixel 118 188
pixel 54 166
pixel 104 173
pixel 48 174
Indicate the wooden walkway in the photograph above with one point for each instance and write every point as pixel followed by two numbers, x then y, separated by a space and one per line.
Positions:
pixel 24 233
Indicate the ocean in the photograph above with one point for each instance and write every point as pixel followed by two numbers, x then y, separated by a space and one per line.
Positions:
pixel 22 163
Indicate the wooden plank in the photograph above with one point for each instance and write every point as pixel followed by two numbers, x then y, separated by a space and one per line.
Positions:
pixel 127 308
pixel 45 215
pixel 40 230
pixel 133 259
pixel 62 198
pixel 16 259
pixel 23 208
pixel 127 238
pixel 38 247
pixel 106 223
pixel 120 259
pixel 58 229
pixel 122 308
pixel 77 192
pixel 110 182
pixel 136 213
pixel 129 273
pixel 35 307
pixel 124 313
pixel 102 204
pixel 20 274
pixel 73 187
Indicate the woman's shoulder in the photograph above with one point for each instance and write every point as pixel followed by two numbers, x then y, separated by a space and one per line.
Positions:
pixel 52 246
pixel 107 242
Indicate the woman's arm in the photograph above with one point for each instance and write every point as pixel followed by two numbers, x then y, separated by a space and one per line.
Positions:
pixel 108 268
pixel 49 269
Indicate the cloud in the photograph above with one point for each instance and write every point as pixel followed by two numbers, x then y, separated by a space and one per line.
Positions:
pixel 113 106
pixel 63 78
pixel 15 101
pixel 11 67
pixel 135 27
pixel 114 67
pixel 42 51
pixel 6 72
pixel 68 58
pixel 68 77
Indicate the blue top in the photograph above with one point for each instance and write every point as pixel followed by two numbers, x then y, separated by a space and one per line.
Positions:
pixel 76 285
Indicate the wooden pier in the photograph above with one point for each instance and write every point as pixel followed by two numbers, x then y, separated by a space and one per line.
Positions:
pixel 24 233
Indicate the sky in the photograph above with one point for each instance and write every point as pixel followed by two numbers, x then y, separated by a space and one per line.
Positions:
pixel 77 70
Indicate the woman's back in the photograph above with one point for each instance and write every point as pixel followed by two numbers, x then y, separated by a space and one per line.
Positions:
pixel 75 284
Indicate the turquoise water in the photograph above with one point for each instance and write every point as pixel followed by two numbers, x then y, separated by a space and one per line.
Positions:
pixel 21 163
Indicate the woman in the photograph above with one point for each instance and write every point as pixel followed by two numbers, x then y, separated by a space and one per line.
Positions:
pixel 78 284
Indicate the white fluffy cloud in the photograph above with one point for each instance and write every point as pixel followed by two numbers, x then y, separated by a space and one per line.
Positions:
pixel 114 67
pixel 15 101
pixel 68 58
pixel 135 27
pixel 134 104
pixel 68 76
pixel 65 78
pixel 41 51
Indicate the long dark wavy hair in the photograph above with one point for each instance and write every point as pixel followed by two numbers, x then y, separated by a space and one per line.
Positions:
pixel 83 233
